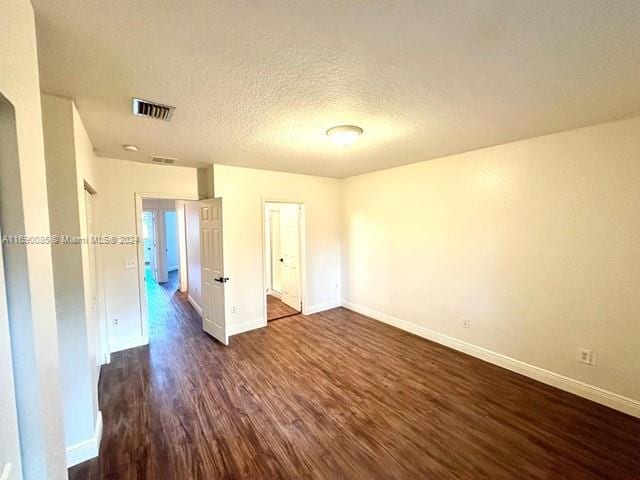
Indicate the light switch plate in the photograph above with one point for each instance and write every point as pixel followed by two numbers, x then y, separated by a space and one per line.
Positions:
pixel 130 263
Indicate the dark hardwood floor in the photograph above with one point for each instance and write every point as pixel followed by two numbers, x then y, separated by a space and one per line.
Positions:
pixel 339 396
pixel 276 309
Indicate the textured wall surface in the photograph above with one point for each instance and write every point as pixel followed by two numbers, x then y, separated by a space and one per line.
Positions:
pixel 534 242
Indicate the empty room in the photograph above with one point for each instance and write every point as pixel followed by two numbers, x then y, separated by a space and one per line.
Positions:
pixel 323 240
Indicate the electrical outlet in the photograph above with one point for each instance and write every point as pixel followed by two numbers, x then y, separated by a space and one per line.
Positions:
pixel 588 357
pixel 466 322
pixel 233 309
pixel 116 322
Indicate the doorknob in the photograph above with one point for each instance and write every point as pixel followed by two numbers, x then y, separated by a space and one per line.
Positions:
pixel 222 279
pixel 282 260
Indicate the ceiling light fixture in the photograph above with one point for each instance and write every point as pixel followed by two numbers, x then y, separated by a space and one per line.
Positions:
pixel 344 134
pixel 130 148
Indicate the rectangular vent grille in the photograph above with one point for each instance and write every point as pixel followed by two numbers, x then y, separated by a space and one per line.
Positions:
pixel 145 108
pixel 163 160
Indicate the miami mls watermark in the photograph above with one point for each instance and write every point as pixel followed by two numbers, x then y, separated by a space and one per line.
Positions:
pixel 10 239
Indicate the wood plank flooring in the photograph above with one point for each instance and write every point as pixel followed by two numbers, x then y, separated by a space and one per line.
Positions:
pixel 339 396
pixel 276 309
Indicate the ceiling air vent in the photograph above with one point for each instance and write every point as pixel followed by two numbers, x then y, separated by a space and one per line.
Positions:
pixel 163 160
pixel 145 108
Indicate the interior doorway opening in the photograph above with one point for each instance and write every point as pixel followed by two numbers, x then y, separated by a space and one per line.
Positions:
pixel 283 254
pixel 162 253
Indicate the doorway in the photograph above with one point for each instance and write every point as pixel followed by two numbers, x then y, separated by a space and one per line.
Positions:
pixel 161 256
pixel 282 254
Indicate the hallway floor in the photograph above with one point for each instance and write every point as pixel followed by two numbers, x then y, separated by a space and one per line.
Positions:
pixel 277 309
pixel 338 396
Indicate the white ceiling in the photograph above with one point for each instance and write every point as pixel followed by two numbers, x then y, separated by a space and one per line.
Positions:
pixel 257 83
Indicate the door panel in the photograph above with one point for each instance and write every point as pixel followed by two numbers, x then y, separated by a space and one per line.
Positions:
pixel 290 254
pixel 213 279
pixel 276 265
pixel 149 234
pixel 95 330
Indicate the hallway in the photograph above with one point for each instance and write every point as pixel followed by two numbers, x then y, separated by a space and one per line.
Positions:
pixel 277 309
pixel 338 395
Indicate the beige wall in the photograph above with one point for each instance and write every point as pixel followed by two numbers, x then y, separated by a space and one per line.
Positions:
pixel 30 292
pixel 192 240
pixel 119 181
pixel 86 173
pixel 535 242
pixel 243 190
pixel 70 160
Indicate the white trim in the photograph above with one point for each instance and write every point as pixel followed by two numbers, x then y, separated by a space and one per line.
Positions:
pixel 120 344
pixel 172 268
pixel 83 451
pixel 585 390
pixel 195 304
pixel 243 327
pixel 321 307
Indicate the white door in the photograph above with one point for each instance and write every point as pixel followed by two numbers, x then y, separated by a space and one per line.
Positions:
pixel 290 255
pixel 162 270
pixel 9 441
pixel 213 279
pixel 96 332
pixel 276 265
pixel 149 239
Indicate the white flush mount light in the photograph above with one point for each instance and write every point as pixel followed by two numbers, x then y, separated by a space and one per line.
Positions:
pixel 344 134
pixel 130 148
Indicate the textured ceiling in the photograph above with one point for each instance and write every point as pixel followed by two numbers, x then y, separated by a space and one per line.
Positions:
pixel 257 83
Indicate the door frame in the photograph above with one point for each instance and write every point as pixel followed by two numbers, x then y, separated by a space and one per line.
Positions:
pixel 142 290
pixel 302 238
pixel 8 405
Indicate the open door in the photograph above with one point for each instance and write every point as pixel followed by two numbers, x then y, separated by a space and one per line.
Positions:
pixel 213 279
pixel 275 254
pixel 290 255
pixel 149 239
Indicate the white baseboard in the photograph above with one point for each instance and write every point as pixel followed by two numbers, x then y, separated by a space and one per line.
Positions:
pixel 321 307
pixel 235 329
pixel 172 268
pixel 120 344
pixel 274 293
pixel 83 451
pixel 195 305
pixel 590 392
